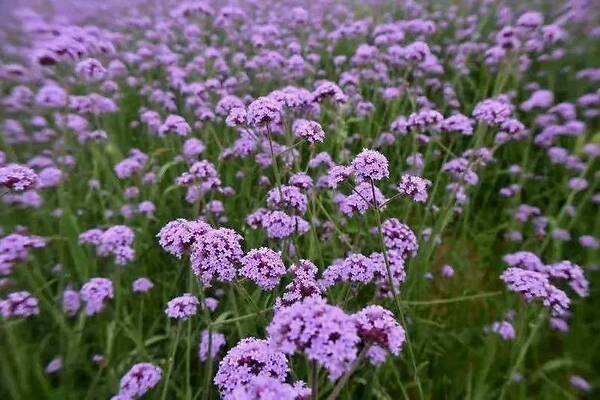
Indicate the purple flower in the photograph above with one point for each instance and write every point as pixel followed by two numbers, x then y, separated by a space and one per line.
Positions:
pixel 17 178
pixel 303 285
pixel 217 341
pixel 535 285
pixel 142 285
pixel 504 329
pixel 182 307
pixel 287 197
pixel 492 112
pixel 54 366
pixel 378 328
pixel 589 242
pixel 94 293
pixel 268 388
pixel 280 225
pixel 264 267
pixel 216 255
pixel 310 131
pixel 177 236
pixel 250 358
pixel 139 380
pixel 580 383
pixel 356 268
pixel 264 111
pixel 90 70
pixel 338 174
pixel 447 271
pixel 578 184
pixel 370 164
pixel 324 333
pixel 362 199
pixel 19 305
pixel 414 187
pixel 174 124
pixel 71 302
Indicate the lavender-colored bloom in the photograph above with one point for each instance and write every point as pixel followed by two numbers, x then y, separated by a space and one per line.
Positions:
pixel 589 242
pixel 280 225
pixel 356 268
pixel 95 293
pixel 192 148
pixel 580 383
pixel 264 267
pixel 505 329
pixel 71 302
pixel 301 180
pixel 338 174
pixel 447 271
pixel 175 124
pixel 217 341
pixel 17 178
pixel 177 236
pixel 414 187
pixel 324 333
pixel 264 111
pixel 268 388
pixel 377 328
pixel 572 273
pixel 535 285
pixel 559 325
pixel 54 366
pixel 182 307
pixel 251 357
pixel 457 123
pixel 398 236
pixel 216 255
pixel 140 379
pixel 310 131
pixel 370 164
pixel 303 285
pixel 142 285
pixel 287 197
pixel 492 112
pixel 578 184
pixel 19 305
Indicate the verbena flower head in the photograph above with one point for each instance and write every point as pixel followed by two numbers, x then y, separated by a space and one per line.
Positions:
pixel 19 305
pixel 216 255
pixel 264 267
pixel 503 328
pixel 264 111
pixel 217 341
pixel 95 293
pixel 71 302
pixel 139 380
pixel 398 236
pixel 370 164
pixel 267 388
pixel 250 358
pixel 310 131
pixel 303 285
pixel 177 236
pixel 324 333
pixel 414 187
pixel 142 285
pixel 356 268
pixel 17 178
pixel 182 307
pixel 287 197
pixel 378 328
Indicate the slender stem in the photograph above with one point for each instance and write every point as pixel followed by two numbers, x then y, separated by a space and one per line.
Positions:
pixel 170 361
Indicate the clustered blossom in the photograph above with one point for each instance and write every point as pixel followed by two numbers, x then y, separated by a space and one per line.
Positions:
pixel 177 236
pixel 264 267
pixel 17 178
pixel 398 236
pixel 116 241
pixel 182 307
pixel 370 164
pixel 310 131
pixel 139 380
pixel 217 255
pixel 250 358
pixel 95 293
pixel 303 285
pixel 267 388
pixel 14 249
pixel 19 305
pixel 414 187
pixel 504 329
pixel 324 333
pixel 142 285
pixel 378 330
pixel 216 340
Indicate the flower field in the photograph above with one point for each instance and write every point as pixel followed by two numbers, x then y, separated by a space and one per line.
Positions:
pixel 296 200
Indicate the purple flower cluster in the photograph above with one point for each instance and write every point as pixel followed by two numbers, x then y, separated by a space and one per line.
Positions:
pixel 378 329
pixel 95 293
pixel 414 187
pixel 214 340
pixel 264 267
pixel 324 333
pixel 17 178
pixel 116 241
pixel 139 380
pixel 182 307
pixel 19 305
pixel 216 255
